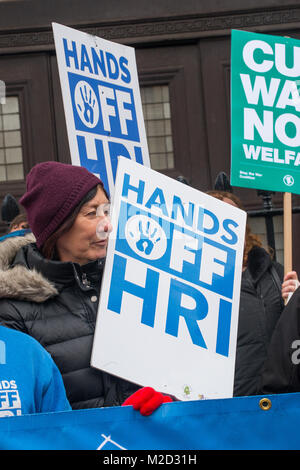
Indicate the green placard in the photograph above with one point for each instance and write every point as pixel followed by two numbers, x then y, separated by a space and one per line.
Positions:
pixel 265 112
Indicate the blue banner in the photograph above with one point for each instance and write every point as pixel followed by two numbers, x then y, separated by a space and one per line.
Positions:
pixel 244 423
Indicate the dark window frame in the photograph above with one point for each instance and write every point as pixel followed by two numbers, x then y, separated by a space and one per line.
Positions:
pixel 174 79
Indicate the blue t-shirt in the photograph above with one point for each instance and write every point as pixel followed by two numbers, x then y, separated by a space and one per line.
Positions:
pixel 30 382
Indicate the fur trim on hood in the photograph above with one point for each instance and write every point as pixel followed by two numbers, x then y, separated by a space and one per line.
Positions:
pixel 19 282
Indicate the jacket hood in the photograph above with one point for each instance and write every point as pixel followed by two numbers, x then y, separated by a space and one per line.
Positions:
pixel 16 280
pixel 259 262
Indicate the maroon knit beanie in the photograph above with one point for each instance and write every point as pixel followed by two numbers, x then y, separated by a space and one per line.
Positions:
pixel 53 191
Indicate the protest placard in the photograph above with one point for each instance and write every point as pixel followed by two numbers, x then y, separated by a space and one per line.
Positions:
pixel 265 105
pixel 102 102
pixel 265 122
pixel 169 303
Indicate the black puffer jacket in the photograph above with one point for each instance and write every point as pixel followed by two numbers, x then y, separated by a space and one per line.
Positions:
pixel 261 305
pixel 281 371
pixel 56 303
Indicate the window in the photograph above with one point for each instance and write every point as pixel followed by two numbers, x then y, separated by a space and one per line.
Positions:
pixel 157 117
pixel 11 157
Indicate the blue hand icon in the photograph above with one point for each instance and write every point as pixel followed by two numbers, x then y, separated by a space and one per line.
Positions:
pixel 147 241
pixel 89 104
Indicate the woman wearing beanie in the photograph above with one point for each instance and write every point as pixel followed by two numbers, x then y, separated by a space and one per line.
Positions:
pixel 50 283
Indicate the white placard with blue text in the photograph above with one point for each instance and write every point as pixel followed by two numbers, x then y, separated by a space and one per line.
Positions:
pixel 102 102
pixel 168 311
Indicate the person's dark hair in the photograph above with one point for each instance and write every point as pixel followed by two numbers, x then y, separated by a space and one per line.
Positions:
pixel 19 219
pixel 48 249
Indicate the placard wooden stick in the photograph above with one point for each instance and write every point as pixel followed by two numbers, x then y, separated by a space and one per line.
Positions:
pixel 287 230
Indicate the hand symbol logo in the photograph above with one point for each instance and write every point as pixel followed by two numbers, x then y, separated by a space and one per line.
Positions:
pixel 86 104
pixel 146 237
pixel 147 240
pixel 89 104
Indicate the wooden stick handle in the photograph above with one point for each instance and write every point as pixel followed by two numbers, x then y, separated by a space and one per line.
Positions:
pixel 287 230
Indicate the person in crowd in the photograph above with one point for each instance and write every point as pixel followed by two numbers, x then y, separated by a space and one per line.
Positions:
pixel 19 223
pixel 263 291
pixel 281 370
pixel 50 288
pixel 18 227
pixel 30 382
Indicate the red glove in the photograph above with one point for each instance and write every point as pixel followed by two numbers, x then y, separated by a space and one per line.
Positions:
pixel 146 400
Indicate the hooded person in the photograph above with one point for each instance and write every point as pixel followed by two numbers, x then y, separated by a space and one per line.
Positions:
pixel 50 284
pixel 263 290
